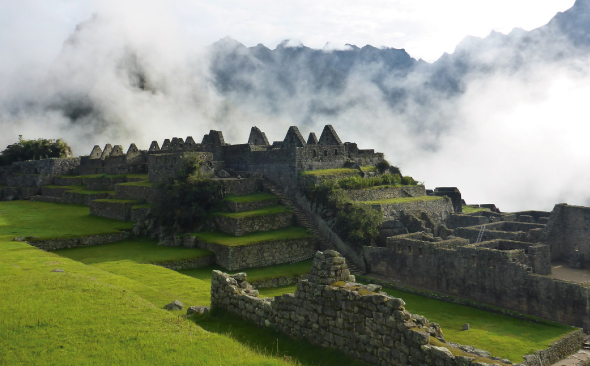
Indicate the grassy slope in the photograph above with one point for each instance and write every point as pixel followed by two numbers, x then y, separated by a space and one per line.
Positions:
pixel 254 197
pixel 109 312
pixel 141 250
pixel 51 220
pixel 402 200
pixel 217 237
pixel 264 211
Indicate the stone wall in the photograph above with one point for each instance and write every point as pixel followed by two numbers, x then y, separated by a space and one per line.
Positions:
pixel 188 264
pixel 162 165
pixel 507 230
pixel 438 210
pixel 330 310
pixel 558 350
pixel 381 193
pixel 241 187
pixel 250 224
pixel 249 206
pixel 112 209
pixel 567 232
pixel 45 167
pixel 491 276
pixel 256 255
pixel 86 241
pixel 134 192
pixel 277 281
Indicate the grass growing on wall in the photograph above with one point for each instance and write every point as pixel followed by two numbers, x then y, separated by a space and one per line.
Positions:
pixel 469 209
pixel 52 220
pixel 264 211
pixel 401 200
pixel 80 189
pixel 218 237
pixel 142 250
pixel 141 183
pixel 134 176
pixel 254 197
pixel 329 172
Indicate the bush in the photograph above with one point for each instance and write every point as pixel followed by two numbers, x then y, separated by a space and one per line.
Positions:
pixel 358 224
pixel 382 166
pixel 409 181
pixel 35 150
pixel 183 202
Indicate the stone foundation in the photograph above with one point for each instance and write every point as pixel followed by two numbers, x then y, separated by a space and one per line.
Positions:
pixel 189 263
pixel 117 210
pixel 249 206
pixel 86 241
pixel 377 193
pixel 245 225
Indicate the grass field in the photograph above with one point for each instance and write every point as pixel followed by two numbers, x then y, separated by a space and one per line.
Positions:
pixel 402 200
pixel 218 237
pixel 53 220
pixel 107 306
pixel 264 211
pixel 254 197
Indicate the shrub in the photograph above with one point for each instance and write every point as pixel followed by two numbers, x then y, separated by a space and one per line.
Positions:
pixel 358 224
pixel 409 181
pixel 382 166
pixel 35 150
pixel 183 201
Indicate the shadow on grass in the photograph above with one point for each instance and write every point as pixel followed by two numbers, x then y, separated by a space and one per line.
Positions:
pixel 270 342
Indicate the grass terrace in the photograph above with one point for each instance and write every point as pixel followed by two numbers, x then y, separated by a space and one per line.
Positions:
pixel 142 250
pixel 143 205
pixel 330 172
pixel 81 189
pixel 52 220
pixel 254 197
pixel 264 211
pixel 402 200
pixel 135 176
pixel 218 237
pixel 469 209
pixel 114 200
pixel 141 183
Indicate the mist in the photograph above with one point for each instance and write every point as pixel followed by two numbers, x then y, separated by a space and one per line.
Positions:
pixel 509 129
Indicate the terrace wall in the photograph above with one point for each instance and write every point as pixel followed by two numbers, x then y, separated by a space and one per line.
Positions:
pixel 438 210
pixel 377 193
pixel 490 276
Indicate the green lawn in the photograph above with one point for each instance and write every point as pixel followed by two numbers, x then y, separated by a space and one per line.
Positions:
pixel 135 176
pixel 329 172
pixel 254 197
pixel 264 211
pixel 218 237
pixel 52 220
pixel 141 183
pixel 469 209
pixel 402 200
pixel 142 250
pixel 81 189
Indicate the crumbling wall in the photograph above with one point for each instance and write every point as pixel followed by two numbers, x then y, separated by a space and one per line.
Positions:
pixel 331 310
pixel 438 210
pixel 568 232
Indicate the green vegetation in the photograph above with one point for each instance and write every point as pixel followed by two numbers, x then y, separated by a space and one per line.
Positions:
pixel 116 200
pixel 34 150
pixel 264 211
pixel 80 189
pixel 183 202
pixel 383 166
pixel 141 183
pixel 502 335
pixel 142 250
pixel 133 176
pixel 254 197
pixel 357 182
pixel 357 224
pixel 52 220
pixel 369 168
pixel 469 209
pixel 402 200
pixel 288 233
pixel 330 172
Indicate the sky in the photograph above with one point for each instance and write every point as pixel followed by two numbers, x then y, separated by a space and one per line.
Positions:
pixel 506 124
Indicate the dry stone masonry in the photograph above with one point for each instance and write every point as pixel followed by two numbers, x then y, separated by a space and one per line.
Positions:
pixel 330 310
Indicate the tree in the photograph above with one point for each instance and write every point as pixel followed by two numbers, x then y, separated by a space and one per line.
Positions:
pixel 35 150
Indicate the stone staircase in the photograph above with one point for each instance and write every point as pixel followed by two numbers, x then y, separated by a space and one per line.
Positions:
pixel 304 221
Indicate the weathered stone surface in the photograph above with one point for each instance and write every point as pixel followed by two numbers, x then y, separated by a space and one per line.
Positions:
pixel 58 270
pixel 85 241
pixel 244 225
pixel 197 310
pixel 174 305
